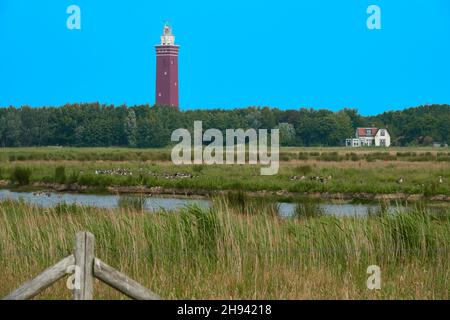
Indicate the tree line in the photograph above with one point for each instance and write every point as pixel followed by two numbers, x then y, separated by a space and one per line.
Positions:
pixel 96 125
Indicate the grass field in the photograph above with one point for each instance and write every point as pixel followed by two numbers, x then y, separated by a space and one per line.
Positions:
pixel 239 249
pixel 422 171
pixel 223 254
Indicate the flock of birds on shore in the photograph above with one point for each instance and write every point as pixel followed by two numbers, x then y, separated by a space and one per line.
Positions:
pixel 128 172
pixel 177 175
pixel 116 172
pixel 326 179
pixel 42 194
pixel 182 175
pixel 313 178
pixel 401 180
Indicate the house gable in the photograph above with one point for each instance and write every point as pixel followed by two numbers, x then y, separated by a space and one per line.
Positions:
pixel 378 137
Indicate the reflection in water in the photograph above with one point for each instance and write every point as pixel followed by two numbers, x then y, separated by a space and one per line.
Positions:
pixel 48 200
pixel 100 201
pixel 337 209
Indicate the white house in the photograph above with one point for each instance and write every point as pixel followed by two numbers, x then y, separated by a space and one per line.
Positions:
pixel 370 137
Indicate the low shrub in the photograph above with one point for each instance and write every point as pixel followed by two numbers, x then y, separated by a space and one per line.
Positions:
pixel 21 175
pixel 60 175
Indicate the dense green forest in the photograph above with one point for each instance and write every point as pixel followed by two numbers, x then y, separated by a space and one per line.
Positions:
pixel 95 125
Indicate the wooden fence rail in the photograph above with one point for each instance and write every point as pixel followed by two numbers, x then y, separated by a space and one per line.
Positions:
pixel 85 266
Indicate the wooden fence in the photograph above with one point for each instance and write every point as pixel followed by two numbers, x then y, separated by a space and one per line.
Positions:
pixel 85 266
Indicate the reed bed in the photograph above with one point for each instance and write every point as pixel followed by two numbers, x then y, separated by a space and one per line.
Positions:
pixel 225 253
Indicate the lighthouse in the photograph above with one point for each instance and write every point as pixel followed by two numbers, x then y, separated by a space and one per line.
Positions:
pixel 167 70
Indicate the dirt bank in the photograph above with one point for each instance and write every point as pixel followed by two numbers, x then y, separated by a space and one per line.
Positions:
pixel 76 188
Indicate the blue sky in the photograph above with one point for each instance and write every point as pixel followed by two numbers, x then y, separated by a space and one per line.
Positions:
pixel 234 53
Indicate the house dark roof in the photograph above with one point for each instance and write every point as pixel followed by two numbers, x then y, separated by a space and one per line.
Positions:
pixel 367 132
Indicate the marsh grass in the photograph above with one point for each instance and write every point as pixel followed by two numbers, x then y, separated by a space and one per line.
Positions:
pixel 383 209
pixel 242 203
pixel 136 203
pixel 220 253
pixel 308 209
pixel 198 168
pixel 303 169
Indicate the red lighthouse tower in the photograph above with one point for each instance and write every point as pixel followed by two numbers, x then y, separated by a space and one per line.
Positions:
pixel 167 70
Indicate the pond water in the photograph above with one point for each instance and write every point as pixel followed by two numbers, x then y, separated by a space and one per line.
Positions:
pixel 47 200
pixel 336 209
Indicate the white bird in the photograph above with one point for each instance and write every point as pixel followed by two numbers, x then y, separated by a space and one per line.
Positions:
pixel 441 180
pixel 400 180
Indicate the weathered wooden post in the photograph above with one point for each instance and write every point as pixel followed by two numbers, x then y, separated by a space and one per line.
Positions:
pixel 121 282
pixel 84 266
pixel 35 286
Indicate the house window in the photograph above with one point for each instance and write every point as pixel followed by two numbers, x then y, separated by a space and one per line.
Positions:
pixel 368 132
pixel 383 142
pixel 382 133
